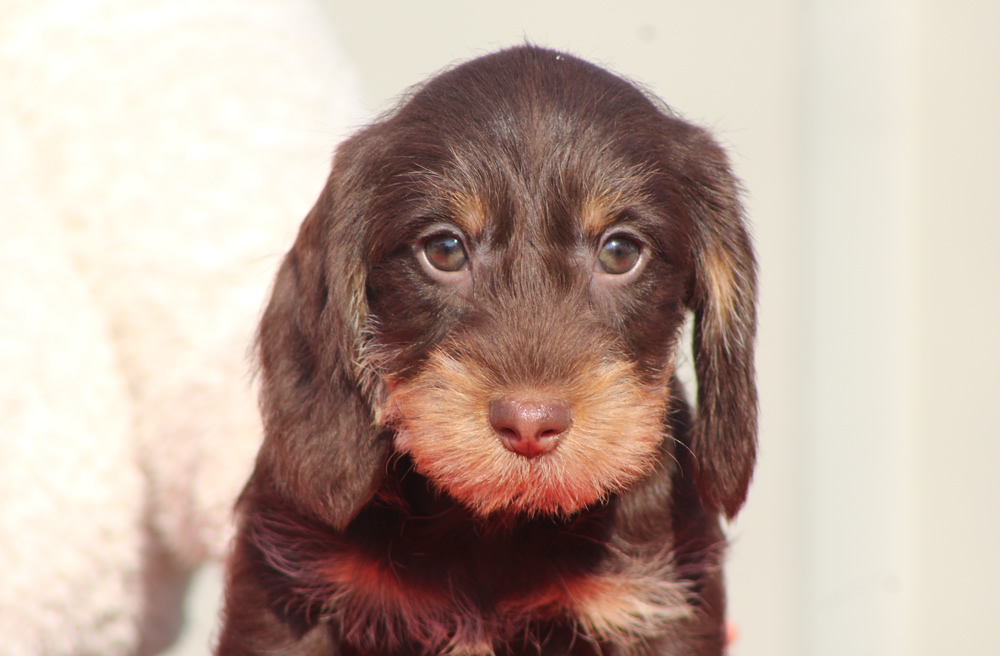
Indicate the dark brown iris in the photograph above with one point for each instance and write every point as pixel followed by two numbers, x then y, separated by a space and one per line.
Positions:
pixel 445 252
pixel 619 254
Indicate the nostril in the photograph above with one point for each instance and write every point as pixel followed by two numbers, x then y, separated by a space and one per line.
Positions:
pixel 530 428
pixel 554 419
pixel 507 433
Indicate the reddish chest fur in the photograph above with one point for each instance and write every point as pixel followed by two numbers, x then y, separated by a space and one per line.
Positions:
pixel 393 582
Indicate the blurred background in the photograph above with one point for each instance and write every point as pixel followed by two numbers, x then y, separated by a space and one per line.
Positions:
pixel 866 134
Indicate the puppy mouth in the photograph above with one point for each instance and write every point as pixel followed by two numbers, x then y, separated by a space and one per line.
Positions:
pixel 549 447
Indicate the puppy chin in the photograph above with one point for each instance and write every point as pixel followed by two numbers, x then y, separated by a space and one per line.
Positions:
pixel 503 483
pixel 441 419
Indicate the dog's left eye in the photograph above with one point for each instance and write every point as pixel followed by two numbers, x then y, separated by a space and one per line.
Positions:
pixel 445 252
pixel 619 254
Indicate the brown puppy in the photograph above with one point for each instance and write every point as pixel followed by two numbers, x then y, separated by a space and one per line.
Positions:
pixel 475 443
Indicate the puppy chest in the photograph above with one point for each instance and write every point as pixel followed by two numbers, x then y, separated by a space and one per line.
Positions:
pixel 470 609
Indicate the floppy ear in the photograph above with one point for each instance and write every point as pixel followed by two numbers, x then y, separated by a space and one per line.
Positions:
pixel 321 447
pixel 724 441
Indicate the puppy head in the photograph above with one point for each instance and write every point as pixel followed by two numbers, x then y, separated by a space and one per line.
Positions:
pixel 493 281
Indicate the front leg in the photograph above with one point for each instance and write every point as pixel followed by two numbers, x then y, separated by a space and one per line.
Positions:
pixel 255 622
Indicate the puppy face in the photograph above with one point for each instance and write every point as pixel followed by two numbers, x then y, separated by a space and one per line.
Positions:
pixel 526 326
pixel 495 277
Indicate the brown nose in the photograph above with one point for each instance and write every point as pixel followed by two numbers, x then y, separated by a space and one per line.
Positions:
pixel 530 428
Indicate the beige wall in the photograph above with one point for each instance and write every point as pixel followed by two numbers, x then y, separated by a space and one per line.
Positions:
pixel 866 133
pixel 955 480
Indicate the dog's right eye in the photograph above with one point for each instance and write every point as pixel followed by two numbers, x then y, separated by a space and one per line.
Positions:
pixel 445 252
pixel 619 254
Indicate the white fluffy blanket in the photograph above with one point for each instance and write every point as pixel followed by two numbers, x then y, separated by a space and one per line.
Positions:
pixel 155 160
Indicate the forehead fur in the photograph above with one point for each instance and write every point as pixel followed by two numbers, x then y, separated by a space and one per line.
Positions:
pixel 522 137
pixel 532 107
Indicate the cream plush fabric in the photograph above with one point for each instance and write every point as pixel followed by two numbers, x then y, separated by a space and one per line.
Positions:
pixel 155 160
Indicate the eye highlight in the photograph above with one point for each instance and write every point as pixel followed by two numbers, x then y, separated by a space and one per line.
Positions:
pixel 445 252
pixel 619 254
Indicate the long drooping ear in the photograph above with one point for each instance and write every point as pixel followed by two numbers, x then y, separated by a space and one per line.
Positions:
pixel 724 305
pixel 321 447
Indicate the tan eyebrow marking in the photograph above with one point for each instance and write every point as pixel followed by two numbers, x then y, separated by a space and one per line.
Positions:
pixel 605 202
pixel 470 214
pixel 597 214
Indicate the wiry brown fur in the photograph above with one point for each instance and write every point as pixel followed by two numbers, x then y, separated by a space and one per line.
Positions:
pixel 386 515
